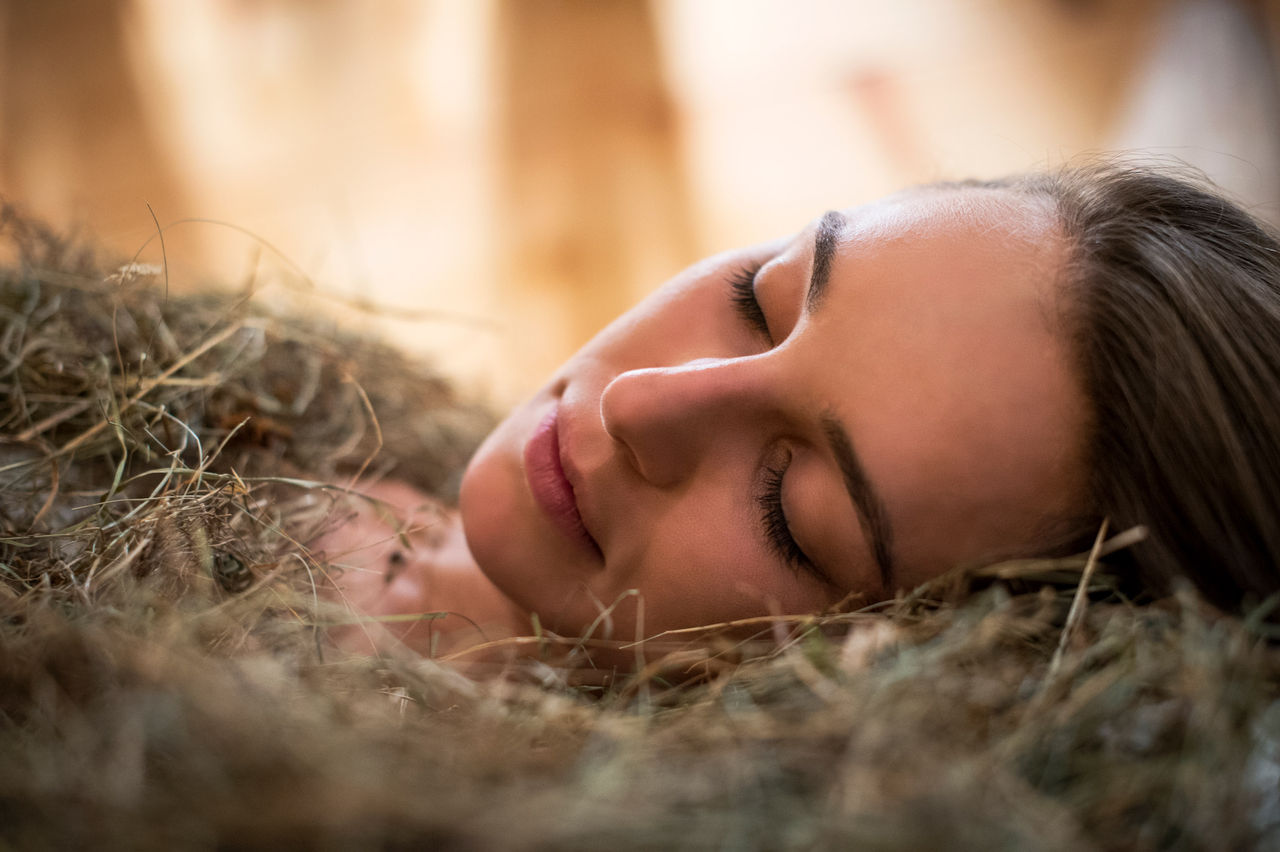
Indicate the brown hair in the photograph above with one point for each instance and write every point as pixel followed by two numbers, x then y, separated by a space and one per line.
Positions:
pixel 1174 309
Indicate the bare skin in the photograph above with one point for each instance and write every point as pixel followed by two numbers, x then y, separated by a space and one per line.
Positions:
pixel 403 554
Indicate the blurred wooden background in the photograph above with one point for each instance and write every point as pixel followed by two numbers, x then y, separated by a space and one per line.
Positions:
pixel 520 171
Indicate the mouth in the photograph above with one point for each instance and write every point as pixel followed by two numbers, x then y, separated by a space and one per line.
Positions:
pixel 551 489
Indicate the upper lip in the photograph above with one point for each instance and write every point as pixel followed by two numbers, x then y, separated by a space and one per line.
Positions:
pixel 574 475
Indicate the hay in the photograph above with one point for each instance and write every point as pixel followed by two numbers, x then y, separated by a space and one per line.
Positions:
pixel 164 682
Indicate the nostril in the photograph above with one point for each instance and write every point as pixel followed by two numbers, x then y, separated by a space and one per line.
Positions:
pixel 631 457
pixel 613 427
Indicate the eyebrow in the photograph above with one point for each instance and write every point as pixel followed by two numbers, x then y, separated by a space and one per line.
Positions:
pixel 824 249
pixel 872 515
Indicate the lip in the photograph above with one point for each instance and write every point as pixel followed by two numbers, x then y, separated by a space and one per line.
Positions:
pixel 551 489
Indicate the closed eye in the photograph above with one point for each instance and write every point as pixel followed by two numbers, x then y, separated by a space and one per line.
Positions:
pixel 742 295
pixel 777 530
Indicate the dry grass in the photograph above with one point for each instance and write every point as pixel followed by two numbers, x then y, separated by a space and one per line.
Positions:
pixel 164 684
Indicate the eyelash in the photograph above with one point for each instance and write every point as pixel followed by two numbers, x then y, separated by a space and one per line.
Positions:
pixel 742 295
pixel 777 530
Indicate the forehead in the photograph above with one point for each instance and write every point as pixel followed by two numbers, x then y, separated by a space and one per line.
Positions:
pixel 960 256
pixel 950 368
pixel 996 215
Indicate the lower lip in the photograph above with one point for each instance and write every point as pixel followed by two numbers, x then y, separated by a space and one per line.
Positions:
pixel 550 487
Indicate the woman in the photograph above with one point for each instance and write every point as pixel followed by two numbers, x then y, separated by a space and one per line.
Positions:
pixel 957 374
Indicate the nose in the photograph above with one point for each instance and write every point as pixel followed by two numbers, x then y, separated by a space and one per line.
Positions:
pixel 669 420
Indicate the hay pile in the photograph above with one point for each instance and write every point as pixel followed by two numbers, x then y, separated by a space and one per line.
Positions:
pixel 164 682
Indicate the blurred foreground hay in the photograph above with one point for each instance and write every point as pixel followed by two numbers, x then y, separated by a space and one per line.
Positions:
pixel 164 684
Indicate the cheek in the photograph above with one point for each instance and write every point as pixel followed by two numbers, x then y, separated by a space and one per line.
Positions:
pixel 701 564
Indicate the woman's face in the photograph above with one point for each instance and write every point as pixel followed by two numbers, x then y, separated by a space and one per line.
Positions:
pixel 850 411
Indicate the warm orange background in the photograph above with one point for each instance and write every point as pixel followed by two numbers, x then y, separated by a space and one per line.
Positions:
pixel 522 170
